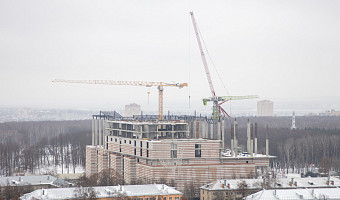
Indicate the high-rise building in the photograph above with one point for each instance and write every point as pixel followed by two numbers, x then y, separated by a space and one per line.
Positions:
pixel 265 108
pixel 132 109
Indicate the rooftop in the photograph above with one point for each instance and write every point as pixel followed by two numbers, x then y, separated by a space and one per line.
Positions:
pixel 317 193
pixel 33 180
pixel 309 182
pixel 103 192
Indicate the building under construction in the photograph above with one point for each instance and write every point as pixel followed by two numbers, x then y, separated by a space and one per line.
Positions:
pixel 147 150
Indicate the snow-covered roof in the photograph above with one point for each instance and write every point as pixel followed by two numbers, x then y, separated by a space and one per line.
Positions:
pixel 32 180
pixel 103 192
pixel 316 193
pixel 309 182
pixel 232 184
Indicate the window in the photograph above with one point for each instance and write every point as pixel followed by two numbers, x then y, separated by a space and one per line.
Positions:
pixel 125 141
pixel 120 149
pixel 147 145
pixel 176 198
pixel 111 139
pixel 129 141
pixel 173 153
pixel 147 153
pixel 135 143
pixel 107 145
pixel 115 139
pixel 173 146
pixel 120 142
pixel 164 198
pixel 170 198
pixel 173 150
pixel 197 150
pixel 141 152
pixel 135 151
pixel 141 144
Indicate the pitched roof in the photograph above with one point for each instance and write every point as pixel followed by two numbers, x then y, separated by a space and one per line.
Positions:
pixel 103 191
pixel 317 193
pixel 308 182
pixel 33 180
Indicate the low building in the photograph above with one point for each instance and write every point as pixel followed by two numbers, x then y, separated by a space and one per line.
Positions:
pixel 310 194
pixel 18 185
pixel 131 192
pixel 238 188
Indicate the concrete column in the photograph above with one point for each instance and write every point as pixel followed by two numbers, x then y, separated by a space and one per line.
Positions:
pixel 93 133
pixel 103 131
pixel 218 130
pixel 203 129
pixel 255 138
pixel 267 141
pixel 235 138
pixel 100 132
pixel 222 130
pixel 232 140
pixel 248 137
pixel 251 139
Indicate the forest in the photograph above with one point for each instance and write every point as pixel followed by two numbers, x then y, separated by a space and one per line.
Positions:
pixel 29 147
pixel 59 146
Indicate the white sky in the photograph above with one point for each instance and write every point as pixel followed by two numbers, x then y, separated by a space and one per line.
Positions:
pixel 285 51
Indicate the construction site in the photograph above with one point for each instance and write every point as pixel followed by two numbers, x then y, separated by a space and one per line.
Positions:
pixel 182 149
pixel 177 150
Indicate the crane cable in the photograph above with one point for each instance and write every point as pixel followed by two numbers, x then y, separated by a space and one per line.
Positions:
pixel 206 49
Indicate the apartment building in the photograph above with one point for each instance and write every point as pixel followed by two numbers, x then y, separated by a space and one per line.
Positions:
pixel 155 151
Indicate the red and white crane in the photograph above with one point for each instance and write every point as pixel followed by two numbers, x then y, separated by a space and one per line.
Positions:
pixel 217 100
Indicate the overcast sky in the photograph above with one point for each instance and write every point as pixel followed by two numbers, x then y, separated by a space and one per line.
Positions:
pixel 285 51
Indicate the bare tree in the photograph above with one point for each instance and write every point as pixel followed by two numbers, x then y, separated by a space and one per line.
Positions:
pixel 242 186
pixel 85 193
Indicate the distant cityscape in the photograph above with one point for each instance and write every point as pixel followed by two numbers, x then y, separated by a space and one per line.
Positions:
pixel 36 114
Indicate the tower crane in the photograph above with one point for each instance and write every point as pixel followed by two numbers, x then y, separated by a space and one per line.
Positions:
pixel 217 108
pixel 159 86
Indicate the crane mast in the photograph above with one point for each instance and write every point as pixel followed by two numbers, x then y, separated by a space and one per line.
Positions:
pixel 202 55
pixel 160 86
pixel 217 108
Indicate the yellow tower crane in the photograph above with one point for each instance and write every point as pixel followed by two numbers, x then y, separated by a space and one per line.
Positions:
pixel 159 85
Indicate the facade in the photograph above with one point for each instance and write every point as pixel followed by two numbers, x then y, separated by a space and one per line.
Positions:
pixel 238 188
pixel 265 108
pixel 132 109
pixel 156 151
pixel 310 194
pixel 126 192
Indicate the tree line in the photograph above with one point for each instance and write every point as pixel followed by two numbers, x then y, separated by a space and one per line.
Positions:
pixel 26 147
